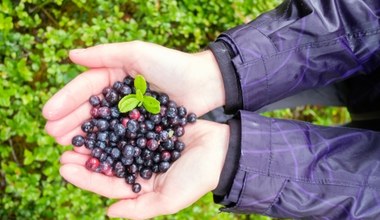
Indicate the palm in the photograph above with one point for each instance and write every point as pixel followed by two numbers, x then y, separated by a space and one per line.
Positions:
pixel 191 80
pixel 194 174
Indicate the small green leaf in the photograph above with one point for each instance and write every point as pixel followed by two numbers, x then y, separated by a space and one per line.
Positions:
pixel 140 84
pixel 139 95
pixel 151 104
pixel 128 103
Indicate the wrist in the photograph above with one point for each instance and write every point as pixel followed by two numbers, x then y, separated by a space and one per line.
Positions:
pixel 210 76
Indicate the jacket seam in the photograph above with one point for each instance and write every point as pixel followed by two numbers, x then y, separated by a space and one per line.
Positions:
pixel 317 182
pixel 270 148
pixel 241 195
pixel 276 197
pixel 314 45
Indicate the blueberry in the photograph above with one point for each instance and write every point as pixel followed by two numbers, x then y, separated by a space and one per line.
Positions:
pixel 164 135
pixel 149 125
pixel 102 136
pixel 106 90
pixel 94 112
pixel 131 135
pixel 164 166
pixel 113 137
pixel 151 135
pixel 91 136
pixel 112 97
pixel 139 160
pixel 146 173
pixel 128 80
pixel 102 124
pixel 179 131
pixel 142 127
pixel 103 156
pixel 115 153
pixel 132 168
pixel 117 85
pixel 137 152
pixel 172 104
pixel 147 154
pixel 136 187
pixel 120 173
pixel 181 111
pixel 163 99
pixel 96 152
pixel 163 111
pixel 134 114
pixel 110 160
pixel 119 129
pixel 130 179
pixel 156 157
pixel 132 126
pixel 152 144
pixel 179 146
pixel 171 112
pixel 155 168
pixel 115 113
pixel 168 145
pixel 141 142
pixel 156 119
pixel 148 163
pixel 92 163
pixel 164 121
pixel 182 121
pixel 127 161
pixel 89 143
pixel 175 155
pixel 125 90
pixel 104 112
pixel 128 151
pixel 106 168
pixel 165 156
pixel 104 103
pixel 174 121
pixel 77 140
pixel 191 118
pixel 101 144
pixel 94 100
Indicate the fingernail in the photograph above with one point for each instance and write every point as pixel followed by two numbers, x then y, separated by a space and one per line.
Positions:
pixel 77 51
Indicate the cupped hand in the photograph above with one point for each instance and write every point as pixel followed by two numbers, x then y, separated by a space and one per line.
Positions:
pixel 194 174
pixel 192 80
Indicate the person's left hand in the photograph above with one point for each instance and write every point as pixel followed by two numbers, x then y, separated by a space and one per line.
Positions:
pixel 194 174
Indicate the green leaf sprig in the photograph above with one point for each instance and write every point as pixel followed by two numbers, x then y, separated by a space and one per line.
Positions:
pixel 132 101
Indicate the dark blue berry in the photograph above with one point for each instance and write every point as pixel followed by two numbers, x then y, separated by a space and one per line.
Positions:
pixel 147 154
pixel 172 104
pixel 179 146
pixel 130 179
pixel 151 135
pixel 113 137
pixel 175 155
pixel 119 129
pixel 164 166
pixel 137 152
pixel 128 151
pixel 91 136
pixel 127 161
pixel 168 145
pixel 106 90
pixel 181 111
pixel 139 160
pixel 101 144
pixel 96 152
pixel 148 163
pixel 102 124
pixel 131 135
pixel 104 103
pixel 155 168
pixel 87 127
pixel 171 112
pixel 102 136
pixel 132 126
pixel 125 90
pixel 117 85
pixel 163 99
pixel 132 168
pixel 156 157
pixel 136 187
pixel 112 97
pixel 146 173
pixel 94 100
pixel 152 144
pixel 128 80
pixel 110 160
pixel 89 143
pixel 182 121
pixel 191 118
pixel 104 112
pixel 149 125
pixel 156 119
pixel 141 142
pixel 103 156
pixel 115 153
pixel 77 140
pixel 115 113
pixel 179 131
pixel 164 135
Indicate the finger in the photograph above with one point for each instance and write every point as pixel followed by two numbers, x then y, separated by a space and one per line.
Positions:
pixel 105 55
pixel 66 138
pixel 110 187
pixel 72 157
pixel 143 207
pixel 64 125
pixel 79 90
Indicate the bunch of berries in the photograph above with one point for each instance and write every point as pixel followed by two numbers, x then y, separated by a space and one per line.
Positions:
pixel 133 143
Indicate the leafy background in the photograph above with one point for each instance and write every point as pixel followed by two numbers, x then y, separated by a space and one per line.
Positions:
pixel 35 37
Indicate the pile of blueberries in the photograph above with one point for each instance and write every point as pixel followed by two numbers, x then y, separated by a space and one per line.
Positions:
pixel 135 143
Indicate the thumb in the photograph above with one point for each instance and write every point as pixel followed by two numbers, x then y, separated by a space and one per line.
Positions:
pixel 113 55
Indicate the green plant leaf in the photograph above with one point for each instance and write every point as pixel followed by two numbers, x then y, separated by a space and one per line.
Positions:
pixel 128 103
pixel 140 84
pixel 139 95
pixel 151 104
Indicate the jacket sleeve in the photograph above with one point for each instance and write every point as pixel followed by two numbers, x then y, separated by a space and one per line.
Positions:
pixel 293 169
pixel 302 44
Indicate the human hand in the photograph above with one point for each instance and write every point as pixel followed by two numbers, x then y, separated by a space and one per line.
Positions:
pixel 194 174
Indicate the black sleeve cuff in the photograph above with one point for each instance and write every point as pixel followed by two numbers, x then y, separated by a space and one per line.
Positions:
pixel 223 54
pixel 231 163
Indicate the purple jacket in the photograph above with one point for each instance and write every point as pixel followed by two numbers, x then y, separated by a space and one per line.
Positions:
pixel 293 169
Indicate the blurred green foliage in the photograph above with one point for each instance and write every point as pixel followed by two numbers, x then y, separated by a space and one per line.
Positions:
pixel 35 37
